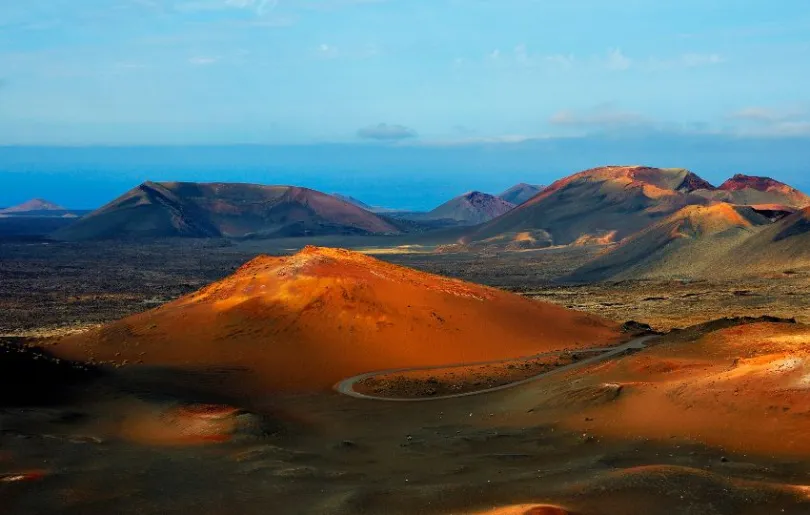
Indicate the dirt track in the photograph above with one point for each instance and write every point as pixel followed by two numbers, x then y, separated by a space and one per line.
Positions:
pixel 346 386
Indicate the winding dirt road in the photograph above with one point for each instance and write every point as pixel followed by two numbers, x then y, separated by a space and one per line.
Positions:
pixel 346 386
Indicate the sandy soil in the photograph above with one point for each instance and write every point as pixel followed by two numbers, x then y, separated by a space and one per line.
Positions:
pixel 508 452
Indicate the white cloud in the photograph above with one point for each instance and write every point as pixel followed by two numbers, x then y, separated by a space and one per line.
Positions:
pixel 522 54
pixel 616 60
pixel 327 51
pixel 601 117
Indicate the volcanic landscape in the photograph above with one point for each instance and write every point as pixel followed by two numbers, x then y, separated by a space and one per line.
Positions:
pixel 628 340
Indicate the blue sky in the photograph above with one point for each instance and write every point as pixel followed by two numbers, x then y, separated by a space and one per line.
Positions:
pixel 413 74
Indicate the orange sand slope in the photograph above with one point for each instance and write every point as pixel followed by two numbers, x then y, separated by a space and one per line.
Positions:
pixel 307 321
pixel 744 388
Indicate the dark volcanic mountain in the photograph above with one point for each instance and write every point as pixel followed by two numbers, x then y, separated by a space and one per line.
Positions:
pixel 471 208
pixel 172 209
pixel 748 190
pixel 613 200
pixel 520 193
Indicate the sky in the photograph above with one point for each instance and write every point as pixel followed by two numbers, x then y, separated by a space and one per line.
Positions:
pixel 541 84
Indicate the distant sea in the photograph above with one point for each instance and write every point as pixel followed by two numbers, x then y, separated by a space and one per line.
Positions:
pixel 412 177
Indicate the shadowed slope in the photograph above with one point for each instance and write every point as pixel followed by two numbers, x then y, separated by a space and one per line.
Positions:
pixel 223 210
pixel 683 245
pixel 305 322
pixel 778 247
pixel 624 199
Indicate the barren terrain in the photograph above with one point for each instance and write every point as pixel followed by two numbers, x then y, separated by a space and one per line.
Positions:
pixel 153 439
pixel 58 287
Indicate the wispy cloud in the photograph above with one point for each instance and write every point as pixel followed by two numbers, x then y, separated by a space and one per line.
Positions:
pixel 386 132
pixel 691 60
pixel 601 117
pixel 767 114
pixel 327 51
pixel 616 60
pixel 504 139
pixel 261 7
pixel 357 52
pixel 566 61
pixel 521 56
pixel 203 60
pixel 759 120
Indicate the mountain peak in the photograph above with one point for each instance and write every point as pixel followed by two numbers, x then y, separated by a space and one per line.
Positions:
pixel 694 182
pixel 742 181
pixel 520 193
pixel 473 207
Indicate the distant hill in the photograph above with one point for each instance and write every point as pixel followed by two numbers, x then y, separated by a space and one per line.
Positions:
pixel 605 205
pixel 38 208
pixel 685 244
pixel 615 200
pixel 520 193
pixel 203 210
pixel 471 208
